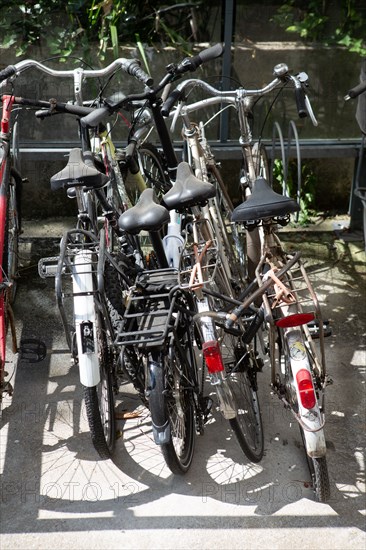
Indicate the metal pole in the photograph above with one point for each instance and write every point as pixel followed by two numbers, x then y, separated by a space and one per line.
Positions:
pixel 228 10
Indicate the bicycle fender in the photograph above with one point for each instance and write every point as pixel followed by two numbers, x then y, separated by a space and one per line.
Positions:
pixel 85 319
pixel 159 417
pixel 311 420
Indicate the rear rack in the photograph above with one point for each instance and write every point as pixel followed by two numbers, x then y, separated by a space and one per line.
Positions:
pixel 199 258
pixel 298 295
pixel 151 309
pixel 90 251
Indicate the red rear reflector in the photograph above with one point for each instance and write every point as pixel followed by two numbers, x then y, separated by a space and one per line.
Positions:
pixel 295 320
pixel 306 388
pixel 212 355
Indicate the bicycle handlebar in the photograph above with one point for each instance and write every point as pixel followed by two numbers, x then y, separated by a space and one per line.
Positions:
pixel 131 66
pixel 188 64
pixel 302 100
pixel 356 91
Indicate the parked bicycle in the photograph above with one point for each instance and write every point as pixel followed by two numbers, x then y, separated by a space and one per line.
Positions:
pixel 148 309
pixel 88 256
pixel 290 307
pixel 10 228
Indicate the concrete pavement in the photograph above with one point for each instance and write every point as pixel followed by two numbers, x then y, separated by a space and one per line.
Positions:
pixel 56 493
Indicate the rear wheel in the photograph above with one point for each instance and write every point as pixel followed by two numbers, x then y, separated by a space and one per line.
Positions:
pixel 247 424
pixel 319 471
pixel 319 474
pixel 171 400
pixel 99 400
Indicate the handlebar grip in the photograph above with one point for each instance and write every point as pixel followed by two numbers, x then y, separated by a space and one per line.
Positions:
pixel 192 63
pixel 211 53
pixel 8 71
pixel 95 117
pixel 171 100
pixel 356 91
pixel 300 102
pixel 135 70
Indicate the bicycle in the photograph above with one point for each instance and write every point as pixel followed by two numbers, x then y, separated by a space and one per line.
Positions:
pixel 168 252
pixel 185 196
pixel 87 254
pixel 298 376
pixel 10 229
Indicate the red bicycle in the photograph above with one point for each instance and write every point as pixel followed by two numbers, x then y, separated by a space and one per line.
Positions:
pixel 10 193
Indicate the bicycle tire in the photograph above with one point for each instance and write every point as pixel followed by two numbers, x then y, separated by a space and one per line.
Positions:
pixel 99 400
pixel 318 469
pixel 115 285
pixel 226 233
pixel 153 168
pixel 11 237
pixel 247 424
pixel 171 403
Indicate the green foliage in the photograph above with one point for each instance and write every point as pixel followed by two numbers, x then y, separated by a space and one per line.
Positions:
pixel 308 186
pixel 61 27
pixel 342 22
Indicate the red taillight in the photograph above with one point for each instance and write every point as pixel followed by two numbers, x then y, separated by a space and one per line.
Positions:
pixel 306 389
pixel 212 355
pixel 295 320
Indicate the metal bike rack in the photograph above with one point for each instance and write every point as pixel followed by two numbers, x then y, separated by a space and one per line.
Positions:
pixel 286 155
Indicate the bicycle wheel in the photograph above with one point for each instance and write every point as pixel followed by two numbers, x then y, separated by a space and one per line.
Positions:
pixel 241 376
pixel 99 400
pixel 318 469
pixel 171 402
pixel 11 236
pixel 153 169
pixel 227 233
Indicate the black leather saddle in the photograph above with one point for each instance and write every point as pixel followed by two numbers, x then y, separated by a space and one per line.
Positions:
pixel 78 173
pixel 264 203
pixel 187 190
pixel 146 215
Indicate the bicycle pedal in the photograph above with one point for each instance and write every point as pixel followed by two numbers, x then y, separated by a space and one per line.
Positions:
pixel 32 350
pixel 314 328
pixel 47 267
pixel 206 406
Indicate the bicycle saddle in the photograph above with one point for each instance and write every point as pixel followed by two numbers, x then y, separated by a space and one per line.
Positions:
pixel 187 190
pixel 77 173
pixel 147 214
pixel 263 203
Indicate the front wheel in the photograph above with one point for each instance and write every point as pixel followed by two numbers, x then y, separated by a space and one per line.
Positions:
pixel 99 400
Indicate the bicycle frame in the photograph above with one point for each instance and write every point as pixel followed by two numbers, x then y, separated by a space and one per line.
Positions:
pixel 5 283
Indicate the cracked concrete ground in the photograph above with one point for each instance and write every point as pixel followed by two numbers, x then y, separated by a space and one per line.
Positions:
pixel 56 493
